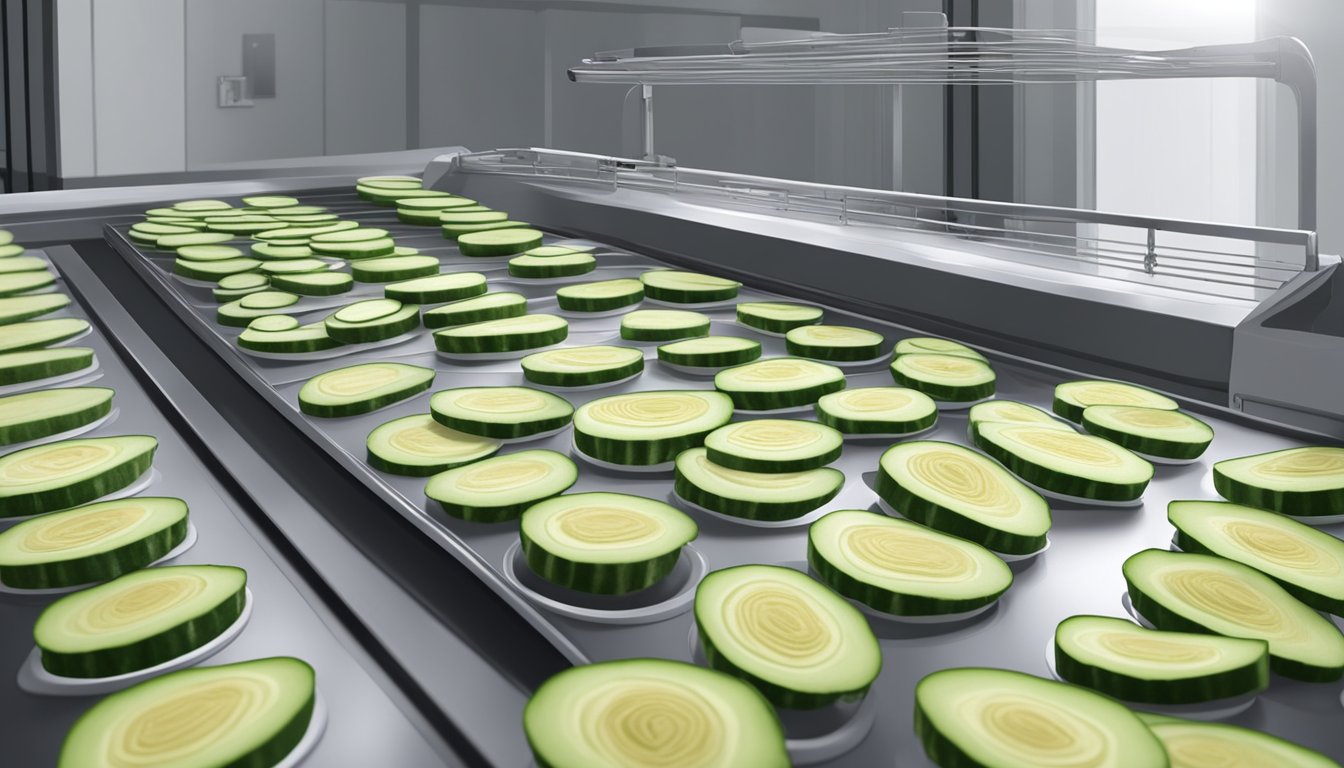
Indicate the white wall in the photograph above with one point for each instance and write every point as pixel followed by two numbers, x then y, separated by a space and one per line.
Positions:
pixel 74 45
pixel 365 76
pixel 289 125
pixel 1180 148
pixel 138 87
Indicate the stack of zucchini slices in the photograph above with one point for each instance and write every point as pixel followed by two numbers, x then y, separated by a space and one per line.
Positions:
pixel 604 543
pixel 1138 419
pixel 770 470
pixel 949 372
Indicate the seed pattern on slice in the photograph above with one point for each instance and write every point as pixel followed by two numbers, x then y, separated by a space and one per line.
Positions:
pixel 1071 397
pixel 582 366
pixel 362 388
pixel 648 428
pixel 834 342
pixel 62 474
pixel 419 446
pixel 678 287
pixel 710 352
pixel 501 412
pixel 1067 463
pixel 774 445
pixel 877 411
pixel 768 496
pixel 949 378
pixel 1305 482
pixel 777 316
pixel 501 488
pixel 779 382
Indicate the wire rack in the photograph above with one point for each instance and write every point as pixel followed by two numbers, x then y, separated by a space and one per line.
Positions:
pixel 1219 260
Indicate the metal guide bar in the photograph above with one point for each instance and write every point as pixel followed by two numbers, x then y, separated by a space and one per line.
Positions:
pixel 970 56
pixel 1205 260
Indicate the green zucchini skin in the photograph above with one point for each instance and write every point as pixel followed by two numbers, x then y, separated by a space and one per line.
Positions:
pixel 484 514
pixel 711 359
pixel 1296 503
pixel 52 499
pixel 586 378
pixel 95 568
pixel 750 510
pixel 1059 482
pixel 769 401
pixel 774 693
pixel 299 286
pixel 33 430
pixel 368 271
pixel 637 453
pixel 1320 602
pixel 43 369
pixel 57 301
pixel 871 427
pixel 594 578
pixel 1166 449
pixel 363 406
pixel 382 328
pixel 674 296
pixel 602 304
pixel 665 334
pixel 885 600
pixel 834 354
pixel 317 344
pixel 951 394
pixel 1237 682
pixel 1162 618
pixel 469 248
pixel 745 464
pixel 504 343
pixel 501 431
pixel 543 271
pixel 436 319
pixel 179 640
pixel 947 520
pixel 772 325
pixel 434 296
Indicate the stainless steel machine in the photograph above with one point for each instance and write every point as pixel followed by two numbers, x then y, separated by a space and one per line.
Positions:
pixel 430 631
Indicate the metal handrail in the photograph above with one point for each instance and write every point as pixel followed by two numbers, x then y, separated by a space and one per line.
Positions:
pixel 969 56
pixel 1006 226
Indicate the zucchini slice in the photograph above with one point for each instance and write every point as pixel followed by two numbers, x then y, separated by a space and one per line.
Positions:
pixel 294 267
pixel 902 568
pixel 642 713
pixel 275 252
pixel 1308 563
pixel 250 713
pixel 247 224
pixel 46 412
pixel 6 237
pixel 1071 397
pixel 198 206
pixel 648 428
pixel 601 296
pixel 10 250
pixel 504 413
pixel 372 320
pixel 19 308
pixel 501 488
pixel 213 270
pixel 274 323
pixel 33 334
pixel 1066 463
pixel 777 317
pixel 391 269
pixel 425 210
pixel 478 309
pixel 1202 593
pixel 710 352
pixel 23 282
pixel 362 388
pixel 996 718
pixel 62 474
pixel 837 343
pixel 314 283
pixel 139 620
pixel 604 543
pixel 210 253
pixel 270 201
pixel 542 267
pixel 582 366
pixel 305 338
pixel 765 496
pixel 96 542
pixel 454 230
pixel 797 642
pixel 437 289
pixel 877 411
pixel 471 217
pixel 663 325
pixel 173 242
pixel 1198 744
pixel 1122 659
pixel 958 491
pixel 293 235
pixel 150 232
pixel 677 287
pixel 240 312
pixel 949 378
pixel 17 264
pixel 510 334
pixel 778 382
pixel 419 446
pixel 774 445
pixel 928 345
pixel 353 244
pixel 556 250
pixel 498 242
pixel 1303 482
pixel 1012 412
pixel 1150 431
pixel 31 365
pixel 236 286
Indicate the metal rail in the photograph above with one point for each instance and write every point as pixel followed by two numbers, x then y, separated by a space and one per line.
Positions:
pixel 969 56
pixel 1051 236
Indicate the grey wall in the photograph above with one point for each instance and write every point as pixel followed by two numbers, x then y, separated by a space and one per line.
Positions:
pixel 289 125
pixel 365 76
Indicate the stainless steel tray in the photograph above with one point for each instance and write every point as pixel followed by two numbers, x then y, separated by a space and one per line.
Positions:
pixel 363 727
pixel 1079 574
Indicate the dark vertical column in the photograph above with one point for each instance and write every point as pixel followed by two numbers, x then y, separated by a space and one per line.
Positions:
pixel 27 101
pixel 7 181
pixel 51 155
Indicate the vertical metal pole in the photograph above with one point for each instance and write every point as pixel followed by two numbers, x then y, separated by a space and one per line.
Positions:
pixel 647 97
pixel 1150 258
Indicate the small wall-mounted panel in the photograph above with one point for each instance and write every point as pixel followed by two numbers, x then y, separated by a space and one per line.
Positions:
pixel 259 65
